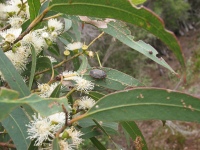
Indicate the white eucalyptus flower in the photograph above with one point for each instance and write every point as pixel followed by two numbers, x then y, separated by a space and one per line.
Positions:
pixel 15 21
pixel 55 25
pixel 64 145
pixel 74 46
pixel 83 85
pixel 40 129
pixel 33 39
pixel 75 135
pixel 85 102
pixel 58 119
pixel 46 90
pixel 10 35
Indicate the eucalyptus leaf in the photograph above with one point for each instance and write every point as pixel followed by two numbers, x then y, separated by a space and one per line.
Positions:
pixel 97 144
pixel 56 144
pixel 44 106
pixel 146 104
pixel 115 79
pixel 34 7
pixel 118 30
pixel 137 2
pixel 33 67
pixel 11 75
pixel 15 125
pixel 135 133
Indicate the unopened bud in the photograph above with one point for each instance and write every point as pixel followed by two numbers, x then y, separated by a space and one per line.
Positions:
pixel 66 52
pixel 84 47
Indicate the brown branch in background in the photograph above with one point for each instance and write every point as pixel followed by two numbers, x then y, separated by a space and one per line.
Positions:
pixel 58 65
pixel 66 121
pixel 6 27
pixel 2 144
pixel 32 25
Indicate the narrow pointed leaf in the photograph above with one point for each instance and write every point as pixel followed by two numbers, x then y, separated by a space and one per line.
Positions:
pixel 115 79
pixel 11 75
pixel 56 144
pixel 134 132
pixel 15 125
pixel 146 104
pixel 119 31
pixel 97 144
pixel 34 7
pixel 121 10
pixel 33 67
pixel 56 92
pixel 84 64
pixel 137 2
pixel 44 106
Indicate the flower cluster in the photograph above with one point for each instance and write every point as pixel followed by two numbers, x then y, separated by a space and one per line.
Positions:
pixel 17 12
pixel 46 89
pixel 43 130
pixel 84 103
pixel 81 84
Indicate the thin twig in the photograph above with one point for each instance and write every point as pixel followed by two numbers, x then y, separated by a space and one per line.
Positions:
pixel 2 144
pixel 58 65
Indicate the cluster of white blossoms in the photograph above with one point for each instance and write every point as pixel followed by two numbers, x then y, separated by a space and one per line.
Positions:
pixel 43 131
pixel 16 12
pixel 84 103
pixel 81 84
pixel 46 89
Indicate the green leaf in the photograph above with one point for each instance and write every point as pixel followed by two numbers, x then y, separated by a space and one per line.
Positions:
pixel 44 6
pixel 7 94
pixel 84 64
pixel 11 75
pixel 121 10
pixel 33 67
pixel 110 127
pixel 75 27
pixel 137 2
pixel 68 24
pixel 56 92
pixel 118 30
pixel 90 132
pixel 43 63
pixel 146 104
pixel 97 144
pixel 115 79
pixel 15 125
pixel 88 122
pixel 134 132
pixel 96 95
pixel 56 144
pixel 34 7
pixel 44 106
pixel 54 49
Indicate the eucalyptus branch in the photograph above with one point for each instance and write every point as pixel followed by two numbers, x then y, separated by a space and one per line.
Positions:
pixel 2 144
pixel 95 39
pixel 6 27
pixel 60 64
pixel 77 119
pixel 66 121
pixel 70 92
pixel 31 26
pixel 54 16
